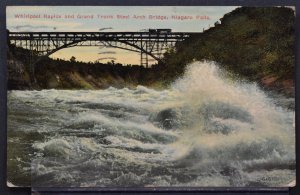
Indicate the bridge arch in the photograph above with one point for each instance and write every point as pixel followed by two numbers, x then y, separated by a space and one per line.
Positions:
pixel 152 43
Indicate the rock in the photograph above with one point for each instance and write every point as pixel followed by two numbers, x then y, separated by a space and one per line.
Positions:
pixel 53 82
pixel 167 119
pixel 17 76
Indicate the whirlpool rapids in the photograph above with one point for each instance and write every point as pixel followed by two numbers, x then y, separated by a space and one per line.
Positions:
pixel 204 130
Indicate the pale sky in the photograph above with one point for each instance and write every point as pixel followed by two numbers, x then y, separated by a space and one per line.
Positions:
pixel 79 23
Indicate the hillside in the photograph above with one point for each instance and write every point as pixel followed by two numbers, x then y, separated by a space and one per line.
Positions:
pixel 256 44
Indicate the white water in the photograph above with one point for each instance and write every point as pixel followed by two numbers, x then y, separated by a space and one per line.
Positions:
pixel 205 130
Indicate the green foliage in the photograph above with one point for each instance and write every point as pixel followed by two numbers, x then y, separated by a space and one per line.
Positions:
pixel 252 42
pixel 73 59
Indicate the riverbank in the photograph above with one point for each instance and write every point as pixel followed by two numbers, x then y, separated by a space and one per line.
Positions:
pixel 63 74
pixel 66 75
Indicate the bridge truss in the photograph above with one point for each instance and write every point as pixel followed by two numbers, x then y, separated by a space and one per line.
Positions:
pixel 148 44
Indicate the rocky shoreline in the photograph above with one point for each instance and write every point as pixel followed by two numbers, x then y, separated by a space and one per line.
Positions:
pixel 18 79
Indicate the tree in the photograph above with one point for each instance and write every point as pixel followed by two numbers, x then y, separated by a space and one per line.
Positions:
pixel 72 59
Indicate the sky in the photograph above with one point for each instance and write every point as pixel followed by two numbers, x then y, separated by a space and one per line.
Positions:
pixel 110 18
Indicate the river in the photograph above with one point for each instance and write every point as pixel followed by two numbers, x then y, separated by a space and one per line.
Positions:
pixel 204 130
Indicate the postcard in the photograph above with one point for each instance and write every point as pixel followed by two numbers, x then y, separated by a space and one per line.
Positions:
pixel 151 96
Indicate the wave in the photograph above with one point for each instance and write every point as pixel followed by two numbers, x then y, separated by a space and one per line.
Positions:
pixel 205 130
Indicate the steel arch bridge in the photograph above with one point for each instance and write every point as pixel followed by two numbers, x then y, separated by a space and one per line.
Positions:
pixel 149 44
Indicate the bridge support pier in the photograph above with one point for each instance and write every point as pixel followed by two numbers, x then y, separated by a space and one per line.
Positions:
pixel 31 64
pixel 144 56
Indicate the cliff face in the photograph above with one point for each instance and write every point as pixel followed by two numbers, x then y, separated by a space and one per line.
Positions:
pixel 18 77
pixel 256 44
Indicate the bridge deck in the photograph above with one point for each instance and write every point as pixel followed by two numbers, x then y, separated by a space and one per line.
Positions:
pixel 106 36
